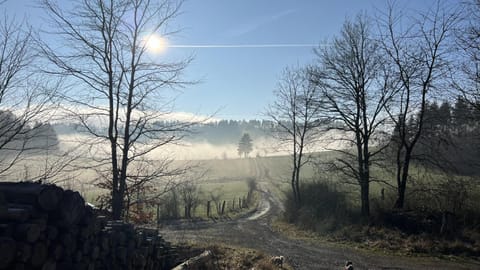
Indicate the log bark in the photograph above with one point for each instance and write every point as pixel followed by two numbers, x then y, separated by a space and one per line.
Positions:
pixel 72 208
pixel 56 251
pixel 39 254
pixel 7 230
pixel 7 251
pixel 20 266
pixel 29 232
pixel 52 232
pixel 14 214
pixel 49 265
pixel 24 252
pixel 46 197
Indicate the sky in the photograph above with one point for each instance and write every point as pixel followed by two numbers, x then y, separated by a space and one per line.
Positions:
pixel 241 47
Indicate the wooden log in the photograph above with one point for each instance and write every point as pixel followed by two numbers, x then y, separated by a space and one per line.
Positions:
pixel 77 256
pixel 121 254
pixel 24 252
pixel 41 222
pixel 49 265
pixel 46 197
pixel 14 214
pixel 56 251
pixel 20 266
pixel 69 242
pixel 86 232
pixel 51 232
pixel 39 254
pixel 196 262
pixel 85 247
pixel 71 209
pixel 7 229
pixel 64 265
pixel 7 252
pixel 95 254
pixel 29 232
pixel 104 243
pixel 3 202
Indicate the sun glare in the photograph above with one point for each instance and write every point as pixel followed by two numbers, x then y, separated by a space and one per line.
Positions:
pixel 155 44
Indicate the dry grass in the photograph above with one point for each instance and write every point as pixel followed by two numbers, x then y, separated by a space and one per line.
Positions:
pixel 391 241
pixel 229 257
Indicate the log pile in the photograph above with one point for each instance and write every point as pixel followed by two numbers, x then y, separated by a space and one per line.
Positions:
pixel 48 228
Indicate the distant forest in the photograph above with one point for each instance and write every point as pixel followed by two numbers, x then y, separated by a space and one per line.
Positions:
pixel 216 133
pixel 16 135
pixel 450 134
pixel 450 139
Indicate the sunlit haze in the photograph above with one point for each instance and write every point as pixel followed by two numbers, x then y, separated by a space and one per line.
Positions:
pixel 155 43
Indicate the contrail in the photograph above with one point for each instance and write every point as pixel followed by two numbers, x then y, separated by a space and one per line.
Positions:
pixel 246 45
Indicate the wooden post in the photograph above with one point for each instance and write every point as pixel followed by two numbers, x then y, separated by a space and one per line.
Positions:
pixel 223 207
pixel 158 214
pixel 208 209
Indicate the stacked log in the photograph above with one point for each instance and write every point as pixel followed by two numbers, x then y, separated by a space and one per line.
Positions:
pixel 48 228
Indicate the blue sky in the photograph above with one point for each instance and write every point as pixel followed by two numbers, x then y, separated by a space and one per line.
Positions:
pixel 237 81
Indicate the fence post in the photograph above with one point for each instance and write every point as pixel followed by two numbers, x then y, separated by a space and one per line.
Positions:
pixel 208 209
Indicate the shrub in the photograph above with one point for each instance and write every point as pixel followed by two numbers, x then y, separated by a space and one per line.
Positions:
pixel 323 208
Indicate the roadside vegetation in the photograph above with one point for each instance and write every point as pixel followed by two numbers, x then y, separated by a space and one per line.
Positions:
pixel 231 257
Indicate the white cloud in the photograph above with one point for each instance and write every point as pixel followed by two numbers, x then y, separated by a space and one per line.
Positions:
pixel 99 116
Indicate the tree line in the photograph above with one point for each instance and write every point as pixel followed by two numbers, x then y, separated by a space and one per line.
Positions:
pixel 382 73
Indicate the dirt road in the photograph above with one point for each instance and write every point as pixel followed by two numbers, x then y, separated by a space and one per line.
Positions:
pixel 254 231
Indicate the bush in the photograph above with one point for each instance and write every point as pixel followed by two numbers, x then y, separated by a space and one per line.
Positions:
pixel 323 208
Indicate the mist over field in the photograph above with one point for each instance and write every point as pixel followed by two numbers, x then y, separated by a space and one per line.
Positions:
pixel 193 149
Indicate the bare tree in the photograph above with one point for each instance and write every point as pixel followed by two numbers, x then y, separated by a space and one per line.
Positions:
pixel 468 39
pixel 354 83
pixel 24 99
pixel 189 191
pixel 297 117
pixel 418 53
pixel 118 96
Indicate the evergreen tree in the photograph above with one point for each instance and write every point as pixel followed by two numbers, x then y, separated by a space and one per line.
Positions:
pixel 445 115
pixel 245 145
pixel 461 113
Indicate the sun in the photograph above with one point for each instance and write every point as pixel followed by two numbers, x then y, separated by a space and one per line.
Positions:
pixel 155 44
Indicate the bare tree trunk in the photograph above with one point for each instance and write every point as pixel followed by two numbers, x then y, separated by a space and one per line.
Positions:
pixel 365 197
pixel 402 184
